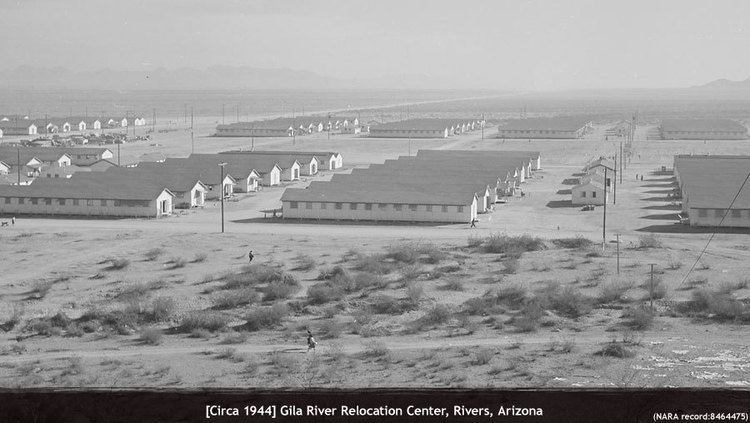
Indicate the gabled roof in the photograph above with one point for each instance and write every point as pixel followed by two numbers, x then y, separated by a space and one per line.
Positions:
pixel 566 124
pixel 414 125
pixel 361 193
pixel 10 154
pixel 283 161
pixel 238 165
pixel 206 172
pixel 712 182
pixel 174 181
pixel 88 185
pixel 284 157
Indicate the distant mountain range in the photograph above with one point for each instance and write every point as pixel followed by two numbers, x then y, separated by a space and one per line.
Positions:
pixel 212 78
pixel 724 85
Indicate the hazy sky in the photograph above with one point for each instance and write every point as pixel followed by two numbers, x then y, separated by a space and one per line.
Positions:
pixel 552 44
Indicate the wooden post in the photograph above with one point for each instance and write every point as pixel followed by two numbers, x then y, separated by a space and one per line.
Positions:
pixel 604 213
pixel 618 254
pixel 651 287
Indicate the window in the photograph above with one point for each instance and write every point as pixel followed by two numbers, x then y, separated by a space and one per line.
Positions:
pixel 293 204
pixel 429 208
pixel 460 209
pixel 736 214
pixel 61 201
pixel 583 194
pixel 352 206
pixel 34 201
pixel 75 201
pixel 20 200
pixel 702 213
pixel 338 206
pixel 718 213
pixel 308 205
pixel 368 206
pixel 413 207
pixel 47 201
pixel 445 209
pixel 7 200
pixel 90 203
pixel 382 206
pixel 397 207
pixel 593 194
pixel 103 203
pixel 323 206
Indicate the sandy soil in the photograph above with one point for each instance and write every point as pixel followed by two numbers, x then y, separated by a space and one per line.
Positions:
pixel 69 257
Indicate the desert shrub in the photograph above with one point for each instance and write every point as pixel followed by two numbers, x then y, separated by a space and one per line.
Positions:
pixel 674 264
pixel 727 287
pixel 414 292
pixel 512 245
pixel 304 262
pixel 234 338
pixel 568 301
pixel 14 319
pixel 176 263
pixel 235 298
pixel 529 318
pixel 231 354
pixel 490 303
pixel 540 266
pixel 372 263
pixel 330 329
pixel 199 258
pixel 322 293
pixel 365 280
pixel 613 290
pixel 330 272
pixel 151 336
pixel 578 242
pixel 410 272
pixel 251 275
pixel 454 285
pixel 41 288
pixel 201 333
pixel 117 263
pixel 162 309
pixel 511 264
pixel 133 292
pixel 153 254
pixel 695 282
pixel 386 304
pixel 207 320
pixel 435 315
pixel 615 349
pixel 720 306
pixel 649 241
pixel 375 349
pixel 412 252
pixel 639 318
pixel 474 241
pixel 283 289
pixel 266 317
pixel 483 356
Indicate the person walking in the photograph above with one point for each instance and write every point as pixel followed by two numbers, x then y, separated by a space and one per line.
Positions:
pixel 311 343
pixel 250 256
pixel 13 221
pixel 473 223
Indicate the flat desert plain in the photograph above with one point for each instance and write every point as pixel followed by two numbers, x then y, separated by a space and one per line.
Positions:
pixel 530 298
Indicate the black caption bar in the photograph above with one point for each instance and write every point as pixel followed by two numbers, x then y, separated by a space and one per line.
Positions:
pixel 376 406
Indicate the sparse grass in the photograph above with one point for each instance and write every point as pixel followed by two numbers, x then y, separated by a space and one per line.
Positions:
pixel 483 356
pixel 153 254
pixel 712 304
pixel 199 258
pixel 386 304
pixel 176 263
pixel 511 245
pixel 151 336
pixel 15 318
pixel 453 285
pixel 578 242
pixel 133 292
pixel 540 266
pixel 649 241
pixel 410 272
pixel 41 288
pixel 235 298
pixel 304 263
pixel 529 318
pixel 252 275
pixel 234 338
pixel 614 290
pixel 410 253
pixel 162 309
pixel 266 317
pixel 328 273
pixel 639 318
pixel 567 301
pixel 207 320
pixel 674 264
pixel 330 329
pixel 511 265
pixel 376 349
pixel 414 292
pixel 283 289
pixel 117 263
pixel 512 296
pixel 230 354
pixel 616 350
pixel 727 287
pixel 435 315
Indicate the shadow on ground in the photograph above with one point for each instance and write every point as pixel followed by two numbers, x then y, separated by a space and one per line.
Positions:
pixel 564 191
pixel 664 207
pixel 677 228
pixel 556 204
pixel 340 222
pixel 666 216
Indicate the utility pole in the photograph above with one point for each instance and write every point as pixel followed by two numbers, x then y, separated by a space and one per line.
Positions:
pixel 614 183
pixel 621 161
pixel 604 214
pixel 329 127
pixel 153 120
pixel 221 184
pixel 18 164
pixel 118 153
pixel 618 253
pixel 192 137
pixel 294 129
pixel 651 287
pixel 482 124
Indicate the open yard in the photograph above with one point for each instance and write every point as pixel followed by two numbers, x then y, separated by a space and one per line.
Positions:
pixel 531 297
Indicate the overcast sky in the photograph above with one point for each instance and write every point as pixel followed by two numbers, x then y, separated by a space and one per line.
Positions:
pixel 537 45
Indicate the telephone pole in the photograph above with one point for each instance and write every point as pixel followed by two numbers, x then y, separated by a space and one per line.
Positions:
pixel 614 183
pixel 604 213
pixel 221 185
pixel 192 137
pixel 621 161
pixel 153 121
pixel 651 287
pixel 18 163
pixel 482 125
pixel 618 253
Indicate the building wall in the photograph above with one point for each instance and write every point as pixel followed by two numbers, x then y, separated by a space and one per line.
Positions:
pixel 402 133
pixel 389 213
pixel 289 173
pixel 271 178
pixel 92 207
pixel 505 133
pixel 310 168
pixel 578 198
pixel 712 217
pixel 251 132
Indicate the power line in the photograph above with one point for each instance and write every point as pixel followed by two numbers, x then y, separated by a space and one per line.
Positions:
pixel 726 213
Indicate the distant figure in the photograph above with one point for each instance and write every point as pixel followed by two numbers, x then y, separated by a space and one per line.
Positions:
pixel 473 223
pixel 310 341
pixel 641 177
pixel 13 221
pixel 250 256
